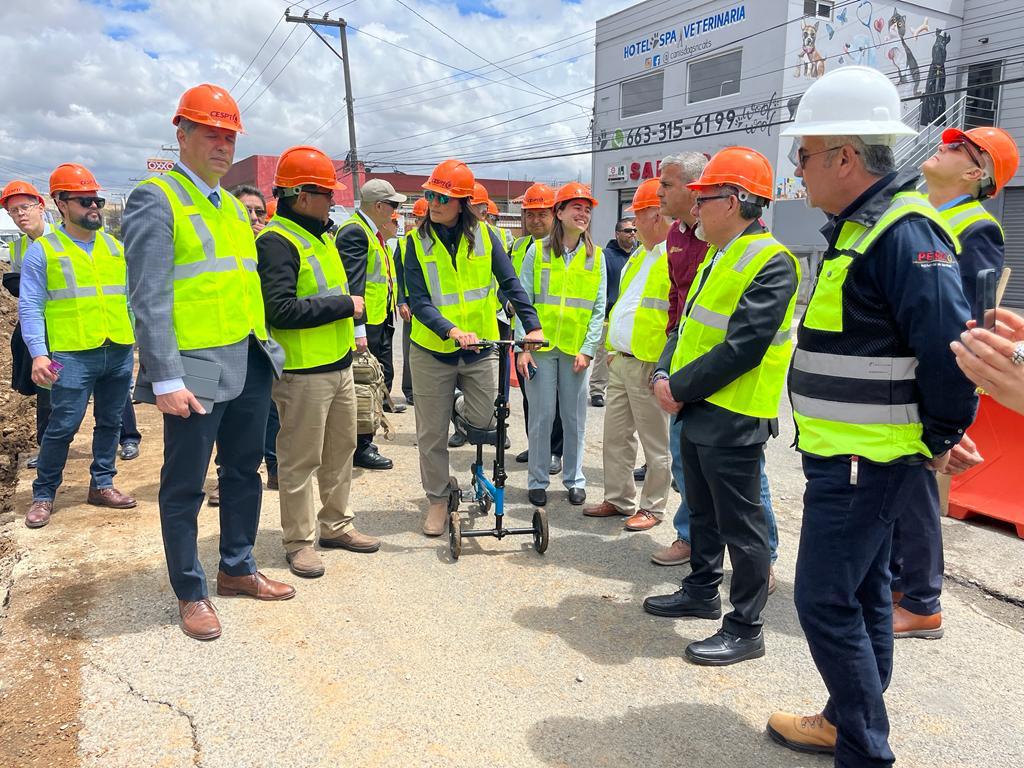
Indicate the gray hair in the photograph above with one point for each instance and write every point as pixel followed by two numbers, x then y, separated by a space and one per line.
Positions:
pixel 878 159
pixel 248 189
pixel 186 125
pixel 691 164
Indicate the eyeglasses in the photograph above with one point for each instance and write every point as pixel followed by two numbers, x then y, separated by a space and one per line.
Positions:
pixel 20 209
pixel 956 146
pixel 699 201
pixel 259 213
pixel 390 203
pixel 88 202
pixel 628 231
pixel 432 196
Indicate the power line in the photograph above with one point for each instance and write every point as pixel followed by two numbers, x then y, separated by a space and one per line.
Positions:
pixel 255 55
pixel 301 46
pixel 267 65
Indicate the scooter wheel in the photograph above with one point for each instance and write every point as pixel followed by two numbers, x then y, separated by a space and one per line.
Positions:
pixel 454 494
pixel 454 535
pixel 540 530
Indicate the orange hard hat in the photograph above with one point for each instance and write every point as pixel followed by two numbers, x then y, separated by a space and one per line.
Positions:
pixel 72 177
pixel 419 208
pixel 394 215
pixel 539 196
pixel 492 208
pixel 19 187
pixel 739 167
pixel 452 178
pixel 271 207
pixel 480 194
pixel 302 165
pixel 574 191
pixel 998 145
pixel 646 196
pixel 209 105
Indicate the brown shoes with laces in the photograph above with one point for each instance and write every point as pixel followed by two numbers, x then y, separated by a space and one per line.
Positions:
pixel 199 619
pixel 643 520
pixel 253 585
pixel 814 734
pixel 38 514
pixel 604 509
pixel 110 497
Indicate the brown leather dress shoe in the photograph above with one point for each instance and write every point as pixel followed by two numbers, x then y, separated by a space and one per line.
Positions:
pixel 643 520
pixel 353 541
pixel 604 509
pixel 199 619
pixel 907 624
pixel 110 497
pixel 676 554
pixel 38 514
pixel 253 585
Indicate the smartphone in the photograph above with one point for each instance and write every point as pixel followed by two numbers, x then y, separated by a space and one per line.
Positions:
pixel 531 369
pixel 985 299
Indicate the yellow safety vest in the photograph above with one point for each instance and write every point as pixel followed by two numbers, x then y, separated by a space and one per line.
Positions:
pixel 847 401
pixel 564 294
pixel 321 273
pixel 961 217
pixel 380 270
pixel 86 300
pixel 713 297
pixel 519 249
pixel 647 336
pixel 462 293
pixel 217 296
pixel 18 248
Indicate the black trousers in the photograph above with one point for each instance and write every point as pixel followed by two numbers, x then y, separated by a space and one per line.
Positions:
pixel 378 342
pixel 917 563
pixel 238 427
pixel 723 489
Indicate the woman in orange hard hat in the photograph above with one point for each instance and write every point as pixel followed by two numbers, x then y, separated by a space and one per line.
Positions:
pixel 452 261
pixel 564 277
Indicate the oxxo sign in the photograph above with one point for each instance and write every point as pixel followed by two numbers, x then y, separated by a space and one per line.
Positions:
pixel 159 165
pixel 686 32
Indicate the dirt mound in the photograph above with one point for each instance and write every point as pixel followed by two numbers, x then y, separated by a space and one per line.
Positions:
pixel 17 412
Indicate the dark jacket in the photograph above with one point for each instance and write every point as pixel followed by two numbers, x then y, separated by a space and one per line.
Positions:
pixel 279 273
pixel 981 247
pixel 752 327
pixel 614 260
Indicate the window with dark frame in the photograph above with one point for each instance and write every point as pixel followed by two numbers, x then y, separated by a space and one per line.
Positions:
pixel 642 95
pixel 819 9
pixel 714 77
pixel 982 103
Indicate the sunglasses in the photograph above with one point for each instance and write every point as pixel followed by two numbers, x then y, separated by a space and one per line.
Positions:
pixel 89 202
pixel 956 146
pixel 432 196
pixel 628 231
pixel 699 201
pixel 390 203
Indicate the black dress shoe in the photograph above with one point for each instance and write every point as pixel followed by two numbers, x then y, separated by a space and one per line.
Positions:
pixel 555 466
pixel 577 496
pixel 538 497
pixel 396 408
pixel 640 473
pixel 130 450
pixel 680 604
pixel 523 457
pixel 597 401
pixel 457 440
pixel 724 648
pixel 408 399
pixel 370 459
pixel 508 443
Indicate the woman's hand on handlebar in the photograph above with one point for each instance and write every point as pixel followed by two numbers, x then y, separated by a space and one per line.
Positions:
pixel 464 339
pixel 533 340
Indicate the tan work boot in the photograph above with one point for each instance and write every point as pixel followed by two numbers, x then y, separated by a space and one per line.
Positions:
pixel 908 624
pixel 813 734
pixel 677 554
pixel 437 518
pixel 306 563
pixel 353 541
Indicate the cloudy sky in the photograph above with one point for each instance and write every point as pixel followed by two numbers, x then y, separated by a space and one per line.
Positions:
pixel 96 81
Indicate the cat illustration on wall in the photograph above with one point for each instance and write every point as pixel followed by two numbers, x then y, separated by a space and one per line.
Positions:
pixel 933 106
pixel 898 25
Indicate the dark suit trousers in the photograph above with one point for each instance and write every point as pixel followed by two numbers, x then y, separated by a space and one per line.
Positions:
pixel 406 371
pixel 917 563
pixel 723 489
pixel 378 342
pixel 238 427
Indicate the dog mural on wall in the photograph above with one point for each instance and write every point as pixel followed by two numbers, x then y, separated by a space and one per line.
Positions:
pixel 933 106
pixel 898 26
pixel 811 64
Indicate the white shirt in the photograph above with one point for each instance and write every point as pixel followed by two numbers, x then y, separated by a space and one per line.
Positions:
pixel 620 332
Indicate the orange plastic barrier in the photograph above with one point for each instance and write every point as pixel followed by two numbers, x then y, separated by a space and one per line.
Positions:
pixel 513 375
pixel 993 489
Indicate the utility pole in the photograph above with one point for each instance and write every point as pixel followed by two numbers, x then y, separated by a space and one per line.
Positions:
pixel 342 26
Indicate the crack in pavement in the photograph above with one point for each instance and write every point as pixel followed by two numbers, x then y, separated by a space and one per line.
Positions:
pixel 970 583
pixel 197 750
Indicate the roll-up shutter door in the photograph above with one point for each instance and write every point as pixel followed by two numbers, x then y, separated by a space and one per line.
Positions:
pixel 1013 228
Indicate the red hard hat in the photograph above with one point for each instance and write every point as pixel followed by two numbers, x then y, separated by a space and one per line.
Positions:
pixel 71 177
pixel 539 196
pixel 419 208
pixel 18 187
pixel 209 105
pixel 452 178
pixel 739 167
pixel 306 165
pixel 575 191
pixel 480 194
pixel 997 144
pixel 646 196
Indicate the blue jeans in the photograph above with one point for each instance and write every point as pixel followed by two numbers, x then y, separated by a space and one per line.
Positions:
pixel 682 519
pixel 105 374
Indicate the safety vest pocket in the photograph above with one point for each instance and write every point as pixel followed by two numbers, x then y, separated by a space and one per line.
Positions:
pixel 825 309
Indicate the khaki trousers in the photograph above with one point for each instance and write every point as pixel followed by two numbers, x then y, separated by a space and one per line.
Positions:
pixel 433 388
pixel 317 437
pixel 632 409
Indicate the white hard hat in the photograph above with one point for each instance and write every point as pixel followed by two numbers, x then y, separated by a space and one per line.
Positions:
pixel 851 101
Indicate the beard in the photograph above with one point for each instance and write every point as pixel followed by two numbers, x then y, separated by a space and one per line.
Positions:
pixel 699 232
pixel 90 222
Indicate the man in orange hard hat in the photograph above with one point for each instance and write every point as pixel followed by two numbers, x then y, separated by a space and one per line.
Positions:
pixel 419 212
pixel 967 167
pixel 206 359
pixel 309 312
pixel 722 375
pixel 74 313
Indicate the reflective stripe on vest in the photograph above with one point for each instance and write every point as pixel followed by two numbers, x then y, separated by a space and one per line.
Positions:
pixel 321 274
pixel 647 335
pixel 217 295
pixel 519 249
pixel 961 217
pixel 847 404
pixel 86 300
pixel 714 295
pixel 461 292
pixel 18 248
pixel 380 269
pixel 565 293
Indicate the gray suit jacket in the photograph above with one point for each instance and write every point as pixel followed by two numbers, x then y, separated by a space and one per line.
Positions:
pixel 148 229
